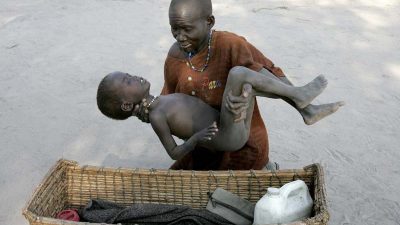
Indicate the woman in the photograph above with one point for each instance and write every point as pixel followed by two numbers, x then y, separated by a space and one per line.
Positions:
pixel 198 64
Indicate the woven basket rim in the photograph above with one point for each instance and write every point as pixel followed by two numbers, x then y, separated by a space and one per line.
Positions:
pixel 141 170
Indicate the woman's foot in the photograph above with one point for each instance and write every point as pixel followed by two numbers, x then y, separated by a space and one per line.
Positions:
pixel 304 95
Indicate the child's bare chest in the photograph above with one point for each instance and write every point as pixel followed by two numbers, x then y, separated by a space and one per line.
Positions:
pixel 187 115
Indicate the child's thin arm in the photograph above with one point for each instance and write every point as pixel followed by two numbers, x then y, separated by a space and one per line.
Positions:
pixel 160 126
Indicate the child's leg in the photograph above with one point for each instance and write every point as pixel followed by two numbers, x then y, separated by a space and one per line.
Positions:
pixel 231 135
pixel 311 113
pixel 266 86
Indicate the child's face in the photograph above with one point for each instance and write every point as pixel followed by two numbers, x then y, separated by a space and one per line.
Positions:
pixel 189 28
pixel 130 88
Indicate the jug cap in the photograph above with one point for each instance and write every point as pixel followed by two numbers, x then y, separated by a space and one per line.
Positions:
pixel 273 191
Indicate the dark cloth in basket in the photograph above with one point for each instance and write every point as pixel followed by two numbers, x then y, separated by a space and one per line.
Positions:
pixel 100 211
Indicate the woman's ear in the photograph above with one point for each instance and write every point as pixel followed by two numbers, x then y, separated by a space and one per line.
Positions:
pixel 127 106
pixel 210 21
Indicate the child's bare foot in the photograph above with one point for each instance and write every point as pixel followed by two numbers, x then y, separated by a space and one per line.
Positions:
pixel 307 93
pixel 314 113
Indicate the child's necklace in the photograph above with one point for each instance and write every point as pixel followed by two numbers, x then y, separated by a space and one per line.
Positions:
pixel 189 61
pixel 147 106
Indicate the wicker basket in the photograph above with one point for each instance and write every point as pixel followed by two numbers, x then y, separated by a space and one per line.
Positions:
pixel 68 185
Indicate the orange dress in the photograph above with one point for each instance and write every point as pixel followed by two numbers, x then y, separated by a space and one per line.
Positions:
pixel 227 50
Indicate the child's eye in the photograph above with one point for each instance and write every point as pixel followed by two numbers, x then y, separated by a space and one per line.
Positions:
pixel 129 81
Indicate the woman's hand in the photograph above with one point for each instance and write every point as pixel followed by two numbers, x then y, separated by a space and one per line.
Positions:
pixel 239 104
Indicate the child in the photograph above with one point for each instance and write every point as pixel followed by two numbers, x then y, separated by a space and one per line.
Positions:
pixel 191 119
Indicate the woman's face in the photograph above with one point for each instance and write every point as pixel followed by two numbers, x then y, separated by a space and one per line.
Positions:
pixel 190 28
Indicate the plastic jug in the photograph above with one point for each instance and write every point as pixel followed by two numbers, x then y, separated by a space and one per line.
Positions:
pixel 289 203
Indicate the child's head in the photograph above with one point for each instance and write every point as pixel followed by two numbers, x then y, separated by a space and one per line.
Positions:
pixel 191 22
pixel 119 92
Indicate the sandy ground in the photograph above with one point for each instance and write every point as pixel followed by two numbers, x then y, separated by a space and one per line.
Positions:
pixel 53 53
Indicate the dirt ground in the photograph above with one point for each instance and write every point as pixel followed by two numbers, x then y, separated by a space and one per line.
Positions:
pixel 53 54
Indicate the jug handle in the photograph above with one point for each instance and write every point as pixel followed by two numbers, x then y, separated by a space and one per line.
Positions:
pixel 298 185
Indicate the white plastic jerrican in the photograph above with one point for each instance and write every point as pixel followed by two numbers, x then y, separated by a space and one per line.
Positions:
pixel 289 203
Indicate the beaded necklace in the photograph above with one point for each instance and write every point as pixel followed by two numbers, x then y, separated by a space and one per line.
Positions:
pixel 147 106
pixel 143 114
pixel 207 58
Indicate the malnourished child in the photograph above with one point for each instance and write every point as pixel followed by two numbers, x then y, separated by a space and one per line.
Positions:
pixel 191 119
